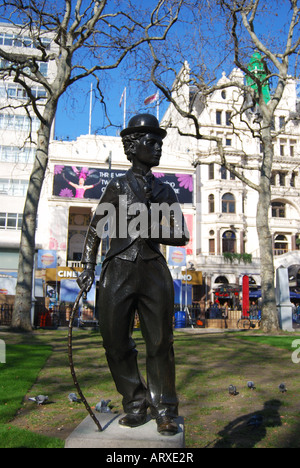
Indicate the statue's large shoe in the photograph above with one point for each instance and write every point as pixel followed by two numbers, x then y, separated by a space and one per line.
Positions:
pixel 166 425
pixel 133 420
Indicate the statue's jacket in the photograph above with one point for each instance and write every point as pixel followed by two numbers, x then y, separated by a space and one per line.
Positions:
pixel 121 195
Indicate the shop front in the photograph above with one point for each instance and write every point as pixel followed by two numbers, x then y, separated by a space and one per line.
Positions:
pixel 61 290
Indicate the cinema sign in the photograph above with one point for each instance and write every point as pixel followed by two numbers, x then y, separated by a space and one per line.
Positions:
pixel 60 273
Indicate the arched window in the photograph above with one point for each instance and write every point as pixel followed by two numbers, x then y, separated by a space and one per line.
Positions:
pixel 75 247
pixel 280 245
pixel 211 243
pixel 221 280
pixel 211 203
pixel 229 242
pixel 228 203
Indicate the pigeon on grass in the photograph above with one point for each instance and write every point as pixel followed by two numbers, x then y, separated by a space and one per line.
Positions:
pixel 40 399
pixel 73 398
pixel 251 385
pixel 282 388
pixel 232 390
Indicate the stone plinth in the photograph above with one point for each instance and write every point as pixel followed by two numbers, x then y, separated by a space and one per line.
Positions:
pixel 86 435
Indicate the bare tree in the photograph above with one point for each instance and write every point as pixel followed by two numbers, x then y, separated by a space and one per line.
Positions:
pixel 89 37
pixel 239 24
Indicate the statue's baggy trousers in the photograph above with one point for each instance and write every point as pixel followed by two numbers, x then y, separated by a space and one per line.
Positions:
pixel 145 286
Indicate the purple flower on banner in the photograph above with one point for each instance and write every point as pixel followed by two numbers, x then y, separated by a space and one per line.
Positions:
pixel 158 175
pixel 66 193
pixel 58 169
pixel 185 181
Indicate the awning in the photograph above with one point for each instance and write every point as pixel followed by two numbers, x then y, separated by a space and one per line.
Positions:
pixel 256 293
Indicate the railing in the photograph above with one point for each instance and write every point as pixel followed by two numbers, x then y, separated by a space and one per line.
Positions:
pixel 193 315
pixel 74 264
pixel 282 251
pixel 6 311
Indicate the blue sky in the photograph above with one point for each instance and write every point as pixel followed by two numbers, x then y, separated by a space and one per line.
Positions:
pixel 73 111
pixel 73 114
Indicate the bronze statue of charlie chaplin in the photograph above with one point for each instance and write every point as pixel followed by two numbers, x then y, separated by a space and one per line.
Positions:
pixel 135 277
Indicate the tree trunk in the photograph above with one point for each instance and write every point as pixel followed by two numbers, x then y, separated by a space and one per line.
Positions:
pixel 270 322
pixel 21 318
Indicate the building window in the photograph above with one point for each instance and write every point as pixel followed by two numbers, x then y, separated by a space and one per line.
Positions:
pixel 293 179
pixel 211 203
pixel 280 245
pixel 219 117
pixel 278 210
pixel 20 123
pixel 11 221
pixel 282 176
pixel 15 154
pixel 273 179
pixel 211 171
pixel 228 142
pixel 17 92
pixel 282 147
pixel 228 118
pixel 281 121
pixel 13 187
pixel 211 246
pixel 223 172
pixel 22 41
pixel 229 242
pixel 292 147
pixel 228 203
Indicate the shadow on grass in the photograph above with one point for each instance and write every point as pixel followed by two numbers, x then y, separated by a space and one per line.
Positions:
pixel 249 429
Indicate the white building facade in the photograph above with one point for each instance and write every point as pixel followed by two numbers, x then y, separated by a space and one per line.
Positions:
pixel 18 132
pixel 226 240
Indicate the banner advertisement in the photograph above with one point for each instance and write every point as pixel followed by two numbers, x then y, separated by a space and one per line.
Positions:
pixel 86 182
pixel 47 259
pixel 177 256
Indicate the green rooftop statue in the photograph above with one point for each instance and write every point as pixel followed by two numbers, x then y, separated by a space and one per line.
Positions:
pixel 135 277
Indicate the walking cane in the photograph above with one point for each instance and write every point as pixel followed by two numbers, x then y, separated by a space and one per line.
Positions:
pixel 70 353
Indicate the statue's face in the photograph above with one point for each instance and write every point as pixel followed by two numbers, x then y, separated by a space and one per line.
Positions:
pixel 148 150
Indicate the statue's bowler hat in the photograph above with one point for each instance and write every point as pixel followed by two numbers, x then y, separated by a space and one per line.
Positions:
pixel 143 123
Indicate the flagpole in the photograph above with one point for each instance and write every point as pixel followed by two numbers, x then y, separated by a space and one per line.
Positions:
pixel 125 99
pixel 90 118
pixel 157 106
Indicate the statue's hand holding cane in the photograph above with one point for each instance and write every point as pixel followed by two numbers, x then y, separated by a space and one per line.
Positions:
pixel 86 279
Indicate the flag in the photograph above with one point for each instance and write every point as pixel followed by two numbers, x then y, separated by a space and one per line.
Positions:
pixel 123 94
pixel 152 98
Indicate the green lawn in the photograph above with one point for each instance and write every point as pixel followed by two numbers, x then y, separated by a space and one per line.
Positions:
pixel 206 365
pixel 18 374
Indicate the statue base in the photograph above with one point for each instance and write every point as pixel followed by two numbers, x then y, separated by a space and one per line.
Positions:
pixel 86 435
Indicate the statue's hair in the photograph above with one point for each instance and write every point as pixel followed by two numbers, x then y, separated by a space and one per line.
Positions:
pixel 128 140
